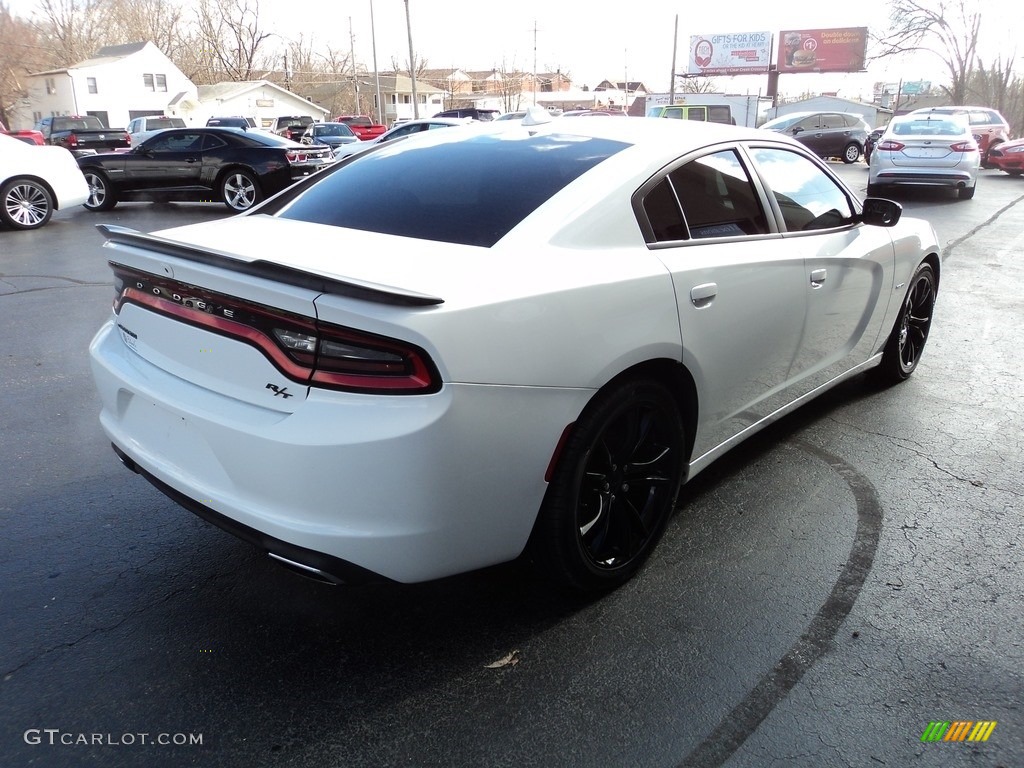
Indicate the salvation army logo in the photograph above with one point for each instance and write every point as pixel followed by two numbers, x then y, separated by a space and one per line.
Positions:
pixel 702 53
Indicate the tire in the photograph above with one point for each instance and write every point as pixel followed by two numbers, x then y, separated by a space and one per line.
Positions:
pixel 851 153
pixel 875 190
pixel 102 196
pixel 910 333
pixel 614 488
pixel 1015 172
pixel 239 190
pixel 966 193
pixel 26 204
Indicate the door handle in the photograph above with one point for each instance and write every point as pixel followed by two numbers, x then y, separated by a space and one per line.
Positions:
pixel 702 295
pixel 192 160
pixel 818 277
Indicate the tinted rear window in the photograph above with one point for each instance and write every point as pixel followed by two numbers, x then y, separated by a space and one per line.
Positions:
pixel 464 190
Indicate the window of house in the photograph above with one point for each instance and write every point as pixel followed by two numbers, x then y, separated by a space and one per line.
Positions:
pixel 51 86
pixel 161 82
pixel 147 83
pixel 91 82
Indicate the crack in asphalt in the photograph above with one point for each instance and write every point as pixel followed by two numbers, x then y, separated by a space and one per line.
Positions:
pixel 745 718
pixel 948 250
pixel 6 280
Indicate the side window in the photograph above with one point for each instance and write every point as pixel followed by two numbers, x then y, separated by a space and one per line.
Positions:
pixel 213 142
pixel 808 198
pixel 808 123
pixel 711 196
pixel 832 121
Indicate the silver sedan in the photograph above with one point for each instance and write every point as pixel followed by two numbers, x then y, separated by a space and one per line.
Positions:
pixel 925 150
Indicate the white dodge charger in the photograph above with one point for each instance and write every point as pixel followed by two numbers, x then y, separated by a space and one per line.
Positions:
pixel 514 337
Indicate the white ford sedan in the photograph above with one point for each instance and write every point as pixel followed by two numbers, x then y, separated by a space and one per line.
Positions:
pixel 35 182
pixel 511 337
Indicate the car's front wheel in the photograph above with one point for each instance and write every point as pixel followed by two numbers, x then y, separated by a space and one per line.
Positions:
pixel 906 342
pixel 101 194
pixel 851 154
pixel 239 190
pixel 26 204
pixel 614 487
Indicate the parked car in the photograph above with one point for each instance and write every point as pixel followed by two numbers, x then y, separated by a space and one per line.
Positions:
pixel 925 150
pixel 471 112
pixel 828 134
pixel 402 130
pixel 332 135
pixel 28 136
pixel 141 128
pixel 362 126
pixel 518 115
pixel 505 338
pixel 36 181
pixel 238 168
pixel 989 127
pixel 870 141
pixel 292 127
pixel 1008 156
pixel 82 134
pixel 234 121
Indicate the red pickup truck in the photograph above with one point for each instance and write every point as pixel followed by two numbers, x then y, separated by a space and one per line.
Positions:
pixel 362 126
pixel 28 136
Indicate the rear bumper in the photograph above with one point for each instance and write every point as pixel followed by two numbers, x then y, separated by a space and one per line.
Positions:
pixel 410 488
pixel 952 178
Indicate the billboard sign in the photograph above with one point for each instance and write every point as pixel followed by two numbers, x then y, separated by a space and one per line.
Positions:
pixel 745 53
pixel 823 50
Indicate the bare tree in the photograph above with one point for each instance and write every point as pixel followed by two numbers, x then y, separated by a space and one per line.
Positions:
pixel 231 38
pixel 510 87
pixel 697 85
pixel 21 52
pixel 946 28
pixel 74 29
pixel 160 22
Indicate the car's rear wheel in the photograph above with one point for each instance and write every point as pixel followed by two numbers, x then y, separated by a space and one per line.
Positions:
pixel 101 193
pixel 851 154
pixel 966 193
pixel 239 190
pixel 875 190
pixel 614 488
pixel 1015 172
pixel 910 333
pixel 26 204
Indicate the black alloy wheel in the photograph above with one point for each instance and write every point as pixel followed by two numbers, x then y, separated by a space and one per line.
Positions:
pixel 614 488
pixel 909 335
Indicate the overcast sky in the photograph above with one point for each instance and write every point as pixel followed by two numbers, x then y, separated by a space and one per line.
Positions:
pixel 591 42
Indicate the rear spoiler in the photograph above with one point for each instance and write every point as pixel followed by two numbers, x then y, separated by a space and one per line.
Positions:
pixel 352 288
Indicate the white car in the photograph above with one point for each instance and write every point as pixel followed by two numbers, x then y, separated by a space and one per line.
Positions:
pixel 141 128
pixel 925 149
pixel 402 130
pixel 506 337
pixel 36 181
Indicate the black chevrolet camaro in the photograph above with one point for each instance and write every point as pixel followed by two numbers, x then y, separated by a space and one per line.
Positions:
pixel 236 167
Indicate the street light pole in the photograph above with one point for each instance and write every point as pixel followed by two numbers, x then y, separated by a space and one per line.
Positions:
pixel 412 65
pixel 376 71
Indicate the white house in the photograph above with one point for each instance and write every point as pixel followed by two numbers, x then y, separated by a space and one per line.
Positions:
pixel 259 99
pixel 118 84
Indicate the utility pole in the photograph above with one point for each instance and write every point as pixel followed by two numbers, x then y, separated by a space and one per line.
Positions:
pixel 412 64
pixel 376 71
pixel 534 62
pixel 672 81
pixel 352 63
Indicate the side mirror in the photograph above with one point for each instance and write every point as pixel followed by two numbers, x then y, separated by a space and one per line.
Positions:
pixel 879 212
pixel 797 130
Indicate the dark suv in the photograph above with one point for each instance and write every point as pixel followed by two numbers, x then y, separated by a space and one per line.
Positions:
pixel 988 126
pixel 476 114
pixel 827 134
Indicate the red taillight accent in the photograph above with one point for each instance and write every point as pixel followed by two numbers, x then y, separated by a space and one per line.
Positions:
pixel 303 349
pixel 72 140
pixel 890 146
pixel 296 157
pixel 963 146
